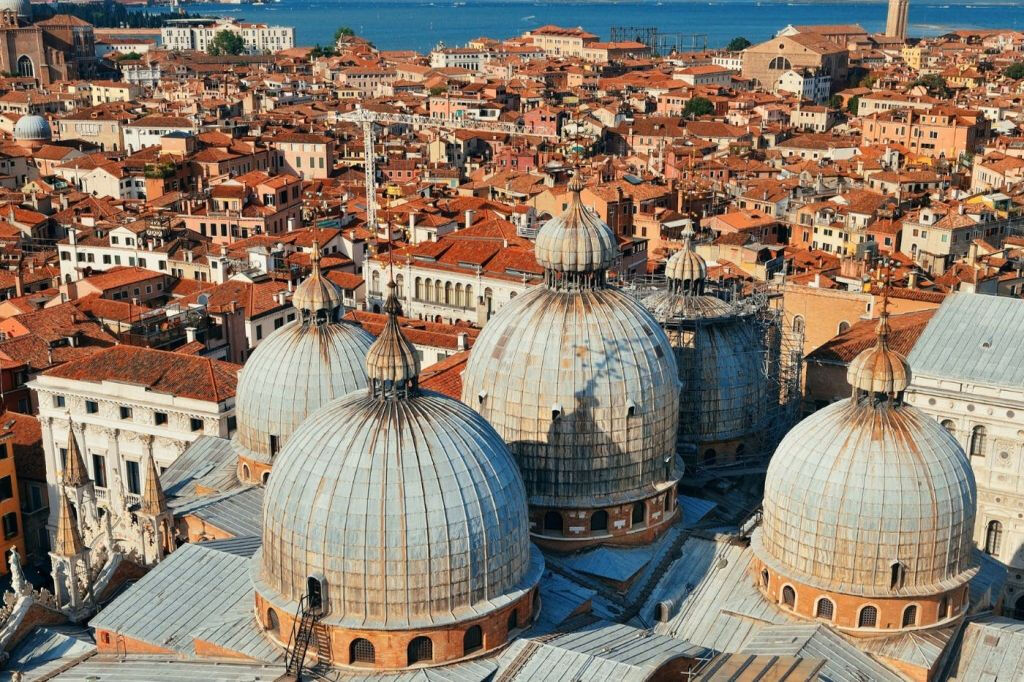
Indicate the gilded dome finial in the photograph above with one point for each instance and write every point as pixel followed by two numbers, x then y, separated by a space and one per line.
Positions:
pixel 392 363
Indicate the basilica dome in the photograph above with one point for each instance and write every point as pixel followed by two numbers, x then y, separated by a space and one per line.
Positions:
pixel 720 355
pixel 578 378
pixel 32 128
pixel 405 503
pixel 297 369
pixel 870 496
pixel 23 8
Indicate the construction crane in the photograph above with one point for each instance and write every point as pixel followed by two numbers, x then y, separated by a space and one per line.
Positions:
pixel 367 119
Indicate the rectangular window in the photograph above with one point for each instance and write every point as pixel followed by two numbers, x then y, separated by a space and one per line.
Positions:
pixel 131 471
pixel 160 418
pixel 195 424
pixel 58 401
pixel 10 525
pixel 259 332
pixel 6 489
pixel 91 407
pixel 232 424
pixel 125 412
pixel 99 471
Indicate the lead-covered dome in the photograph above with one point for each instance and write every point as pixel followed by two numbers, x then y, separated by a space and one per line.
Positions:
pixel 23 8
pixel 32 128
pixel 719 350
pixel 576 241
pixel 578 379
pixel 296 370
pixel 864 485
pixel 407 503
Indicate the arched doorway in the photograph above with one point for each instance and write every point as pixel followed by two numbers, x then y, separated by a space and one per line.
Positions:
pixel 553 522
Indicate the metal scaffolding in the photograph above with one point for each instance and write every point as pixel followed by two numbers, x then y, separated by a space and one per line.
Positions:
pixel 763 406
pixel 658 42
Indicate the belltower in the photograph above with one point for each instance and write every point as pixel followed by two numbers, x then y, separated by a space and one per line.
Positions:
pixel 896 22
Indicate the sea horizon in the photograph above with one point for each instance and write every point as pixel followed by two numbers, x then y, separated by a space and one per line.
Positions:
pixel 422 24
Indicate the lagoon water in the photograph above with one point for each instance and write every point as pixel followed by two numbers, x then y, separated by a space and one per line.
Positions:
pixel 420 24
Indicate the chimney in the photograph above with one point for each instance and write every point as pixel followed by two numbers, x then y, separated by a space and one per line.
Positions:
pixel 188 256
pixel 961 209
pixel 291 224
pixel 190 334
pixel 19 284
pixel 72 236
pixel 972 254
pixel 463 342
pixel 469 216
pixel 912 280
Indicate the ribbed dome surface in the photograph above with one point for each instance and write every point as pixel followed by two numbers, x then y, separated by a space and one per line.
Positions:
pixel 856 487
pixel 293 372
pixel 412 509
pixel 32 128
pixel 317 293
pixel 599 360
pixel 23 8
pixel 576 241
pixel 667 306
pixel 686 264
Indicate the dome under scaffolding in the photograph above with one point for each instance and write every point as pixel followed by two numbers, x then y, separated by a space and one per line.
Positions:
pixel 739 365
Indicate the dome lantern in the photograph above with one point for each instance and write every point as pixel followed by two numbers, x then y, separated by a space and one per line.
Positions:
pixel 317 298
pixel 686 270
pixel 880 371
pixel 392 363
pixel 577 248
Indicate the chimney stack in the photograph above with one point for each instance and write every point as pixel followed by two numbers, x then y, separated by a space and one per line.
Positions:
pixel 190 334
pixel 463 342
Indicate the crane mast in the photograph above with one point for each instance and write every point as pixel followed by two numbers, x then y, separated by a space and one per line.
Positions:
pixel 367 119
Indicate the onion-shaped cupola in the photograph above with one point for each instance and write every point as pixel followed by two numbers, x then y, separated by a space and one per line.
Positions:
pixel 686 270
pixel 295 370
pixel 404 511
pixel 869 504
pixel 580 381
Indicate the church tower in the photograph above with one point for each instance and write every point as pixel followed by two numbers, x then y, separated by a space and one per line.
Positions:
pixel 896 22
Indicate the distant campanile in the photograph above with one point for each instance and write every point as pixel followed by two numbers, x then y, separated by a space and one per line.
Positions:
pixel 896 23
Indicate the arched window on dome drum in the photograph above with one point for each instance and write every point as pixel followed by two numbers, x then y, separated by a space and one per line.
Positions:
pixel 513 620
pixel 420 649
pixel 741 449
pixel 25 67
pixel 868 617
pixel 788 597
pixel 978 441
pixel 798 324
pixel 993 538
pixel 599 520
pixel 473 640
pixel 764 577
pixel 273 625
pixel 668 501
pixel 824 608
pixel 910 616
pixel 950 426
pixel 844 327
pixel 245 472
pixel 361 651
pixel 897 575
pixel 265 477
pixel 710 456
pixel 1018 609
pixel 639 513
pixel 944 608
pixel 553 522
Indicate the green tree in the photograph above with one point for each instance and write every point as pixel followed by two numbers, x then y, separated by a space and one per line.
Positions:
pixel 1015 71
pixel 319 51
pixel 128 56
pixel 343 32
pixel 698 106
pixel 835 102
pixel 934 83
pixel 868 81
pixel 853 106
pixel 437 90
pixel 226 43
pixel 737 44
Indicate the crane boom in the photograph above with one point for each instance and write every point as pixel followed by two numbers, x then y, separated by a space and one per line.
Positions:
pixel 366 119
